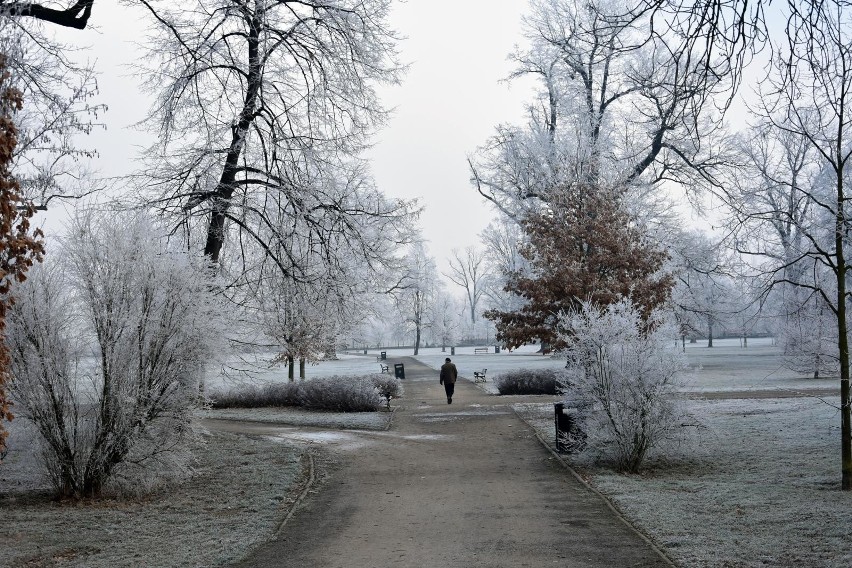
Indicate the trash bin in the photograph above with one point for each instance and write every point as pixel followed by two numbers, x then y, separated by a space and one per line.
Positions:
pixel 496 349
pixel 562 422
pixel 384 355
pixel 570 437
pixel 365 351
pixel 452 350
pixel 399 370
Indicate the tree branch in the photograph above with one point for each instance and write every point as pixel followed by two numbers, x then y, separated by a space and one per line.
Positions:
pixel 77 16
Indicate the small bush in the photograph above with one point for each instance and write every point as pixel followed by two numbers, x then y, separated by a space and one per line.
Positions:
pixel 538 381
pixel 256 396
pixel 389 387
pixel 336 394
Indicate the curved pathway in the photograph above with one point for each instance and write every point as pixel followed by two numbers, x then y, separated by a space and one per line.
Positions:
pixel 461 485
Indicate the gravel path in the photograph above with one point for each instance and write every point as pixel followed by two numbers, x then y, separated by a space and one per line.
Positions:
pixel 461 485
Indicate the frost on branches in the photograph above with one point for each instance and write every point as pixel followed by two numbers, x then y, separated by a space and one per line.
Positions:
pixel 582 246
pixel 19 248
pixel 109 343
pixel 622 374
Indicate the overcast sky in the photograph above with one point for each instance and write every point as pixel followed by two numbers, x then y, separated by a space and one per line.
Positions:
pixel 449 103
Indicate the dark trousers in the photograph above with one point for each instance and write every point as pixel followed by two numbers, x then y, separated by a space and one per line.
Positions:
pixel 450 388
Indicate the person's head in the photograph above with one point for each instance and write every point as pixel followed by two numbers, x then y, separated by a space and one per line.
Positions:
pixel 447 360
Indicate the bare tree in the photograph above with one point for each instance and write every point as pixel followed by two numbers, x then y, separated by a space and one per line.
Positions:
pixel 262 107
pixel 619 104
pixel 469 270
pixel 808 97
pixel 110 343
pixel 418 291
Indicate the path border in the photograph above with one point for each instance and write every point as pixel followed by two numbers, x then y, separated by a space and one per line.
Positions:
pixel 310 482
pixel 588 486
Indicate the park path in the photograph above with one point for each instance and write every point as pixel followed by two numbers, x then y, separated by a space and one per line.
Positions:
pixel 461 485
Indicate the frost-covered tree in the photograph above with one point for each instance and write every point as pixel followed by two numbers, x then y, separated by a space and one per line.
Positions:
pixel 262 107
pixel 582 247
pixel 502 238
pixel 446 321
pixel 622 374
pixel 60 89
pixel 808 97
pixel 703 297
pixel 618 104
pixel 109 346
pixel 418 291
pixel 468 269
pixel 20 247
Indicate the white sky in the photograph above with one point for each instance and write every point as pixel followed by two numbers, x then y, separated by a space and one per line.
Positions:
pixel 449 103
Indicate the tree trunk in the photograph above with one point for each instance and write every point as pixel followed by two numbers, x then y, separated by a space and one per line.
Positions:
pixel 843 343
pixel 709 335
pixel 290 368
pixel 417 339
pixel 225 188
pixel 302 368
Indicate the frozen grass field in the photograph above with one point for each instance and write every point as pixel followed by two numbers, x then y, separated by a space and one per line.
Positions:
pixel 757 487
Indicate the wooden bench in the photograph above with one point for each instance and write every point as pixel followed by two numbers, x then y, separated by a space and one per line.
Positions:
pixel 385 368
pixel 479 376
pixel 482 350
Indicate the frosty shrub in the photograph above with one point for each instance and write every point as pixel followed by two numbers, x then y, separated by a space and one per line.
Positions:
pixel 336 394
pixel 340 394
pixel 623 371
pixel 256 396
pixel 528 381
pixel 389 387
pixel 109 341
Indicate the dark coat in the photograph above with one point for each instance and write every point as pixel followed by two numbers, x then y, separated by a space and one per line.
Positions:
pixel 449 373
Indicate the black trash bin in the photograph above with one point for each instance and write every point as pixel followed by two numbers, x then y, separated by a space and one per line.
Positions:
pixel 384 355
pixel 562 422
pixel 570 437
pixel 399 370
pixel 452 351
pixel 496 349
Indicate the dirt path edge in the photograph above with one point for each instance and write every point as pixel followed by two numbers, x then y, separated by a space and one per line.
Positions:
pixel 612 507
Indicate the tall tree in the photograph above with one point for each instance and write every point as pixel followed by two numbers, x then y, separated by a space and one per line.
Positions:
pixel 417 291
pixel 808 96
pixel 468 270
pixel 20 246
pixel 618 105
pixel 262 109
pixel 582 248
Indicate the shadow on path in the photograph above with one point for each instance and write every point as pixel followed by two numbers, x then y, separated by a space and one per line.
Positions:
pixel 461 485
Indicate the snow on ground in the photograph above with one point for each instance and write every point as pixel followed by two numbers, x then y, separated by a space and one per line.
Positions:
pixel 232 504
pixel 298 417
pixel 759 487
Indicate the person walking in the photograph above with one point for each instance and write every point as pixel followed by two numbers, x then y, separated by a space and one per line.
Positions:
pixel 449 374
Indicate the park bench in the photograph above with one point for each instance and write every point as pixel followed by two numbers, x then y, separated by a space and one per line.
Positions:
pixel 481 350
pixel 479 376
pixel 385 368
